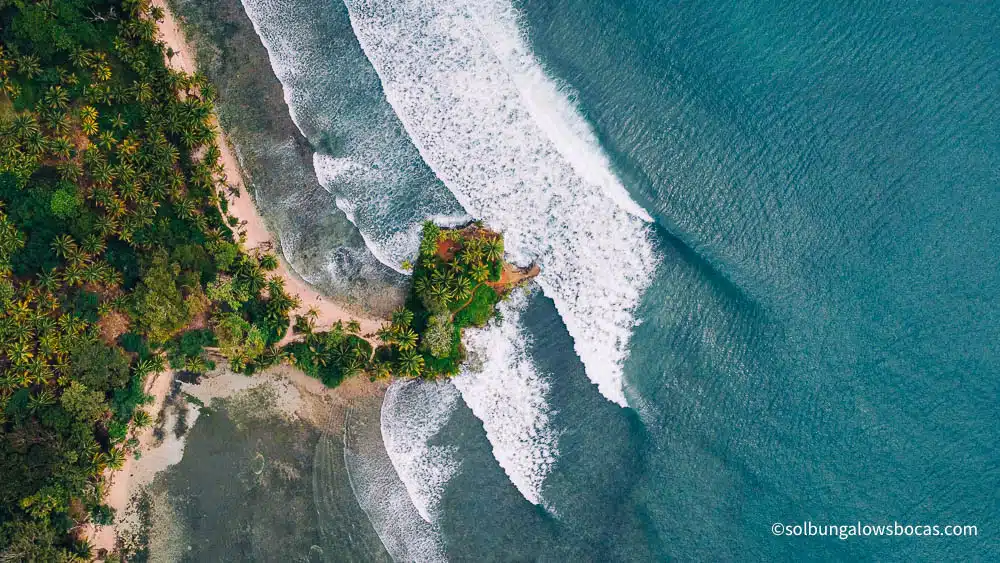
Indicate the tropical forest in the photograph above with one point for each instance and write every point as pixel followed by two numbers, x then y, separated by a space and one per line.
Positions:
pixel 119 260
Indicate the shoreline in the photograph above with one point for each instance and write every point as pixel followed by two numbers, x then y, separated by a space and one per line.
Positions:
pixel 243 207
pixel 121 484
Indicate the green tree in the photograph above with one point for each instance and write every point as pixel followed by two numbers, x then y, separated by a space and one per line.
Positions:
pixel 437 339
pixel 410 364
pixel 406 339
pixel 239 341
pixel 82 403
pixel 65 203
pixel 161 309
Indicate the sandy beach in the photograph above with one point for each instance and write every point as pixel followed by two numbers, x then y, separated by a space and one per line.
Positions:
pixel 157 456
pixel 120 483
pixel 244 208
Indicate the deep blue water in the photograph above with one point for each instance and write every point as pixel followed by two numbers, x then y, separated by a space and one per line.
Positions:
pixel 821 341
pixel 816 333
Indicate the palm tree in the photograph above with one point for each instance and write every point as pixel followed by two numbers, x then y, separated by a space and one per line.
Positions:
pixel 353 326
pixel 480 272
pixel 60 146
pixel 35 143
pixel 143 92
pixel 89 128
pixel 102 73
pixel 402 317
pixel 439 293
pixel 99 461
pixel 106 140
pixel 73 275
pixel 470 255
pixel 494 249
pixel 463 289
pixel 352 367
pixel 195 364
pixel 118 122
pixel 56 98
pixel 20 353
pixel 383 370
pixel 40 400
pixel 63 245
pixel 24 124
pixel 386 333
pixel 443 276
pixel 411 364
pixel 29 66
pixel 69 171
pixel 93 244
pixel 116 458
pixel 49 280
pixel 141 418
pixel 60 124
pixel 80 58
pixel 406 339
pixel 88 113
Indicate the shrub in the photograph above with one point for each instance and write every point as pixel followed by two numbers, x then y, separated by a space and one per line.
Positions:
pixel 438 337
pixel 65 203
pixel 480 308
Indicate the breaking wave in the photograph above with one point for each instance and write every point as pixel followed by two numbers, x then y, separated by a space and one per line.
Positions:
pixel 363 156
pixel 511 147
pixel 507 393
pixel 413 412
pixel 390 507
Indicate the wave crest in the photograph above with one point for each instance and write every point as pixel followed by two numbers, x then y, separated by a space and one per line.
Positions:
pixel 508 394
pixel 516 153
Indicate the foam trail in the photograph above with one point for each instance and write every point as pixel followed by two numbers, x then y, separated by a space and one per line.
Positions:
pixel 517 154
pixel 412 413
pixel 383 497
pixel 507 393
pixel 364 157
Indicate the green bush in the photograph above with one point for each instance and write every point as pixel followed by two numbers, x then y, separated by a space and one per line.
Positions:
pixel 65 203
pixel 480 309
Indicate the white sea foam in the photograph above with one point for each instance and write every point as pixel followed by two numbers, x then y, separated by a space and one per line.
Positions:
pixel 365 158
pixel 413 412
pixel 516 153
pixel 504 390
pixel 387 502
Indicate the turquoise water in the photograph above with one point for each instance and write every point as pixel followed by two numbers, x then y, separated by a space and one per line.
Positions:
pixel 821 341
pixel 769 229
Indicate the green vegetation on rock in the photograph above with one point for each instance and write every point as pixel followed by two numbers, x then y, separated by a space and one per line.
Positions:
pixel 456 284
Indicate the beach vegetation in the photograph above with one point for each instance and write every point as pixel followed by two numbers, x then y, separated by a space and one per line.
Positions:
pixel 117 259
pixel 456 284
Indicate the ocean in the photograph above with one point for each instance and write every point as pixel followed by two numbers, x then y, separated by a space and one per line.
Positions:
pixel 769 242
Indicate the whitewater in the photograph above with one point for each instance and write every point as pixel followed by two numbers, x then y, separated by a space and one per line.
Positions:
pixel 471 126
pixel 514 151
pixel 505 390
pixel 413 412
pixel 362 157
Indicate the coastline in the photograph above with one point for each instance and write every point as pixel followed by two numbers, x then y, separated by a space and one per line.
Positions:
pixel 120 483
pixel 243 207
pixel 123 483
